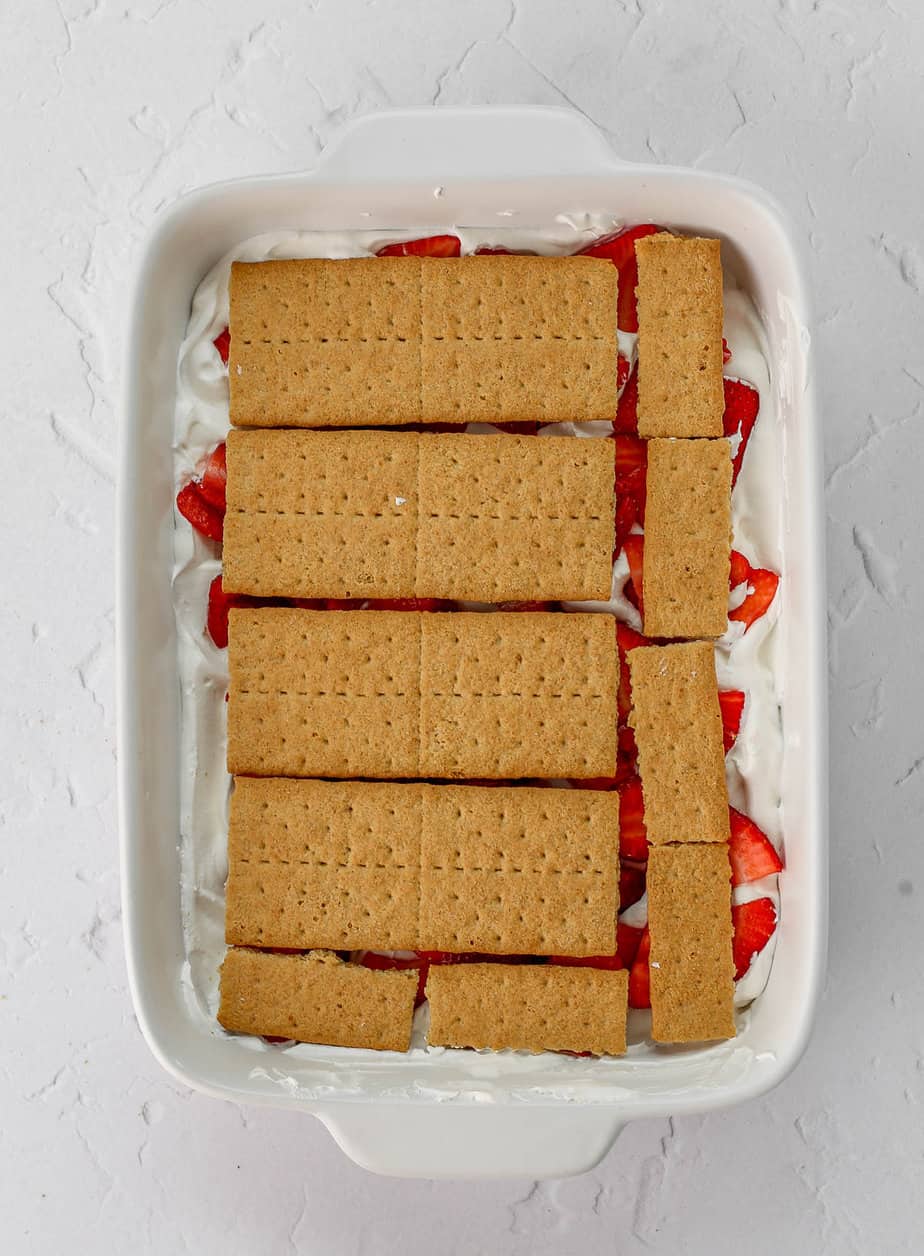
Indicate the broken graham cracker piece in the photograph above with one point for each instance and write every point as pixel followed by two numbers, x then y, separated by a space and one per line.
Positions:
pixel 355 865
pixel 519 871
pixel 387 341
pixel 680 388
pixel 316 997
pixel 403 694
pixel 318 343
pixel 518 338
pixel 690 921
pixel 399 515
pixel 331 864
pixel 528 1007
pixel 678 730
pixel 687 538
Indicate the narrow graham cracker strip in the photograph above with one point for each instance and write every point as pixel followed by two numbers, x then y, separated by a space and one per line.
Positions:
pixel 678 729
pixel 316 998
pixel 528 1007
pixel 399 515
pixel 680 389
pixel 394 694
pixel 353 865
pixel 691 967
pixel 386 341
pixel 687 538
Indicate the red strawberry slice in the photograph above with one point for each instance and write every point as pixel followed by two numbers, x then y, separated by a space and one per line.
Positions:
pixel 633 842
pixel 753 924
pixel 620 250
pixel 217 618
pixel 639 977
pixel 622 371
pixel 626 422
pixel 631 884
pixel 200 513
pixel 385 963
pixel 628 939
pixel 751 852
pixel 742 403
pixel 222 343
pixel 634 547
pixel 726 352
pixel 519 427
pixel 430 246
pixel 626 754
pixel 631 468
pixel 731 705
pixel 612 962
pixel 341 604
pixel 626 519
pixel 762 587
pixel 739 569
pixel 213 482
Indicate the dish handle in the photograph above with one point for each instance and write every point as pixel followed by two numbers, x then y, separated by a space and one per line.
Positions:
pixel 443 1141
pixel 451 144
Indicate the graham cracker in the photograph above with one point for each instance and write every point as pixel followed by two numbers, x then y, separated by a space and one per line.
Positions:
pixel 528 1007
pixel 316 998
pixel 400 515
pixel 508 696
pixel 678 729
pixel 331 864
pixel 398 694
pixel 687 538
pixel 386 341
pixel 323 693
pixel 318 343
pixel 691 967
pixel 516 338
pixel 519 871
pixel 354 865
pixel 680 389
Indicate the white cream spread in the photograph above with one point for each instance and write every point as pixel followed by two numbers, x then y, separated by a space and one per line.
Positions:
pixel 744 661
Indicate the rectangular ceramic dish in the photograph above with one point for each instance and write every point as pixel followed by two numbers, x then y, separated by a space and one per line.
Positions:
pixel 458 1114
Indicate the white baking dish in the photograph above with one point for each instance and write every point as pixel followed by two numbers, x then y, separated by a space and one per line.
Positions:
pixel 458 1114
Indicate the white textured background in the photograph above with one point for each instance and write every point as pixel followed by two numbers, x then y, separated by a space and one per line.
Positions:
pixel 107 111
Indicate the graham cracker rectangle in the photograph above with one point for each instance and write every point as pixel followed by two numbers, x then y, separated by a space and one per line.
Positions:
pixel 508 696
pixel 510 518
pixel 399 515
pixel 528 1007
pixel 394 694
pixel 323 693
pixel 386 341
pixel 680 389
pixel 691 967
pixel 687 538
pixel 332 864
pixel 678 729
pixel 316 998
pixel 318 343
pixel 519 871
pixel 516 338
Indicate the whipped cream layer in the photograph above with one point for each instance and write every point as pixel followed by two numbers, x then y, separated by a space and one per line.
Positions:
pixel 744 661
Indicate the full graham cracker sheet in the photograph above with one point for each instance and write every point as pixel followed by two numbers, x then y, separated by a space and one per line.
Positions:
pixel 376 514
pixel 389 341
pixel 409 695
pixel 356 865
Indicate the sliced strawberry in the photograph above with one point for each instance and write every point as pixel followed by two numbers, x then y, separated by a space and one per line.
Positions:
pixel 626 519
pixel 222 343
pixel 628 939
pixel 739 569
pixel 639 978
pixel 620 250
pixel 308 603
pixel 341 604
pixel 385 963
pixel 430 246
pixel 633 842
pixel 751 852
pixel 742 403
pixel 622 371
pixel 631 884
pixel 487 250
pixel 217 619
pixel 631 467
pixel 519 427
pixel 634 547
pixel 612 962
pixel 626 754
pixel 626 422
pixel 762 587
pixel 753 925
pixel 213 482
pixel 726 352
pixel 731 704
pixel 527 606
pixel 201 514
